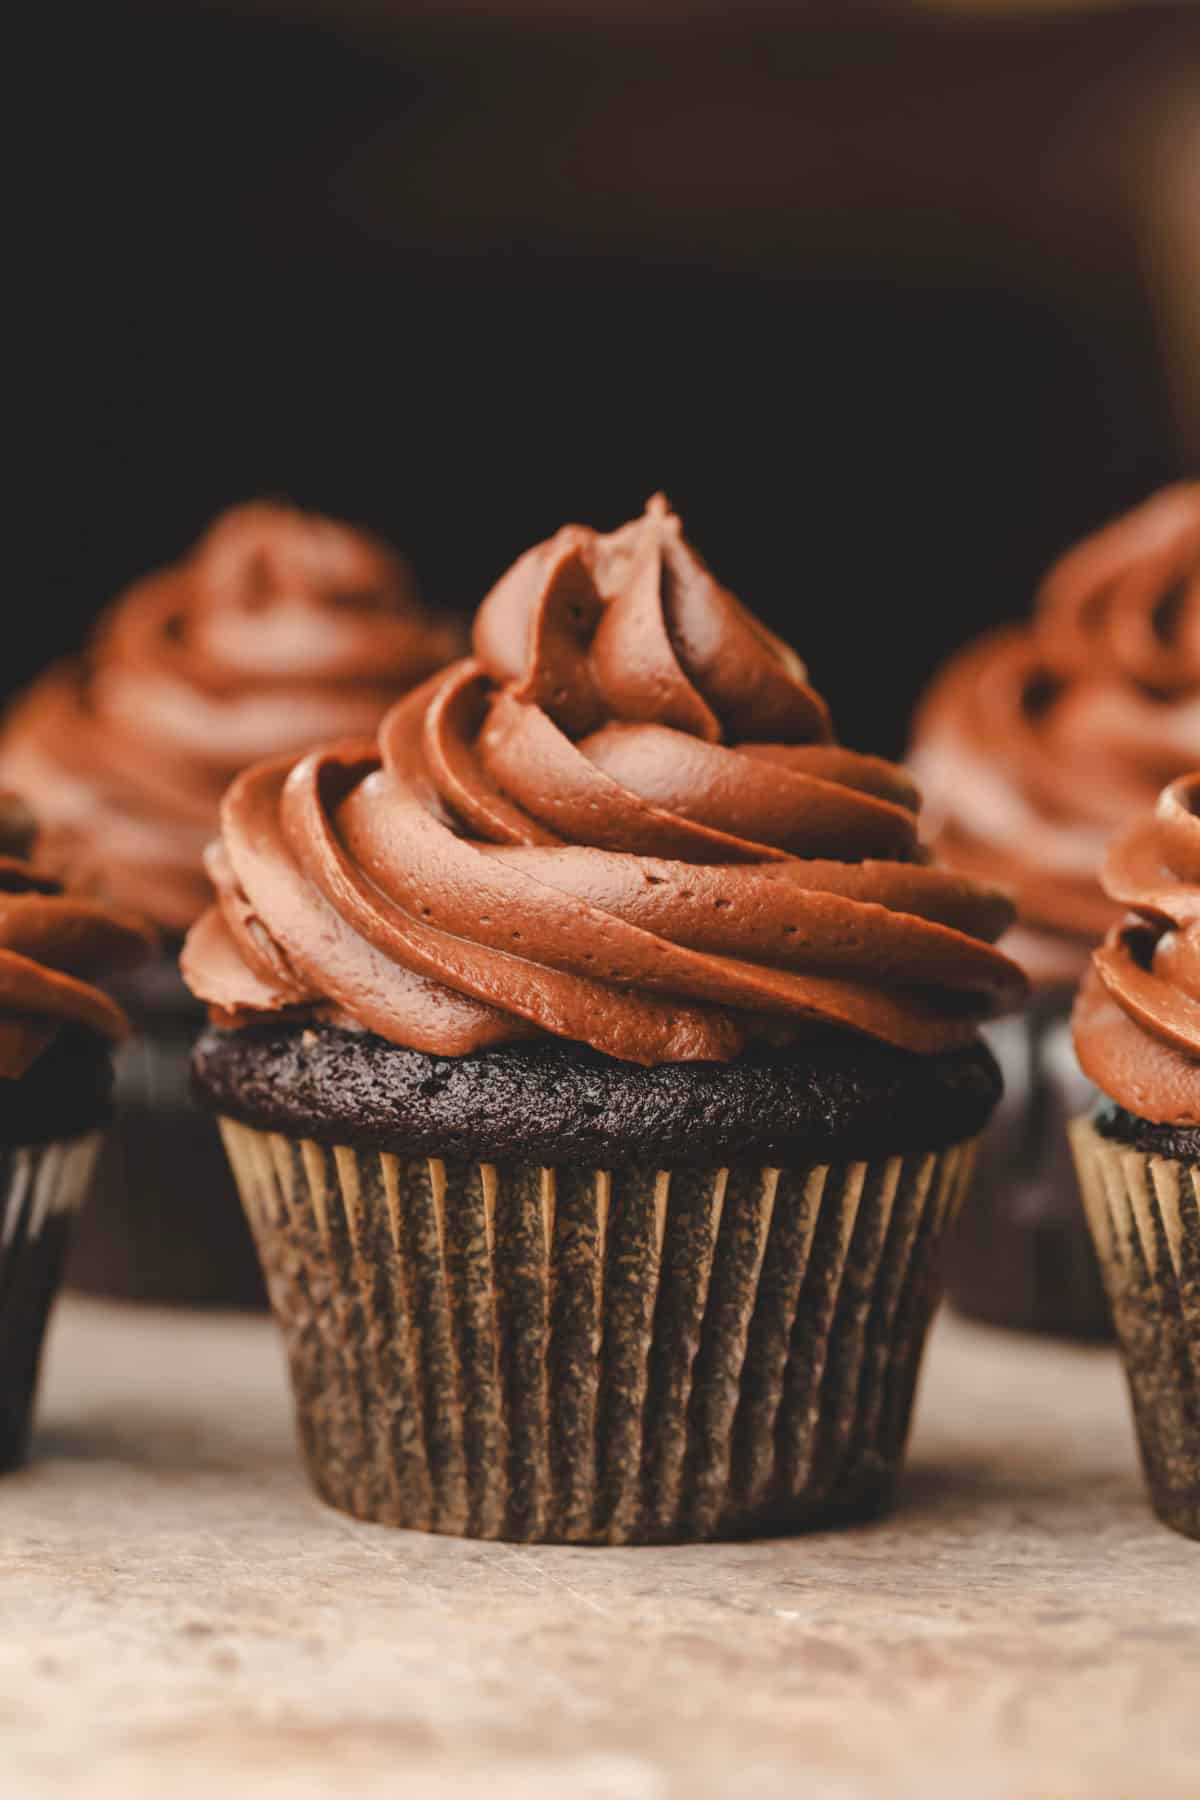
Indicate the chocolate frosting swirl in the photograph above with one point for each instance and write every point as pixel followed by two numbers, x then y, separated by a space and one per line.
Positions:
pixel 1137 1018
pixel 52 947
pixel 1037 744
pixel 623 821
pixel 279 630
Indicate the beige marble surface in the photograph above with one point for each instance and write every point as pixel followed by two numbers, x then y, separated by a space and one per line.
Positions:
pixel 178 1617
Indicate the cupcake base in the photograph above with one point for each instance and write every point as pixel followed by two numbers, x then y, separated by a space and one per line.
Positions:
pixel 538 1294
pixel 51 1122
pixel 41 1189
pixel 1022 1256
pixel 580 1355
pixel 163 1223
pixel 1143 1206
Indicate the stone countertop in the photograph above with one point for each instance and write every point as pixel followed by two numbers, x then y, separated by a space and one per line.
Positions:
pixel 178 1617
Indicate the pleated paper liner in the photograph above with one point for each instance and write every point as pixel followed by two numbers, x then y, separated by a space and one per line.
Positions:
pixel 1144 1213
pixel 1022 1256
pixel 41 1189
pixel 162 1223
pixel 569 1355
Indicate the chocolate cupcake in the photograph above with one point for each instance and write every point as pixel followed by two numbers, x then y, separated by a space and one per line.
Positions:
pixel 1137 1031
pixel 279 630
pixel 56 1032
pixel 596 1055
pixel 1034 748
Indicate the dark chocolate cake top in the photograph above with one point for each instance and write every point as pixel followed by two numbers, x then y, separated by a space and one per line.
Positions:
pixel 555 1103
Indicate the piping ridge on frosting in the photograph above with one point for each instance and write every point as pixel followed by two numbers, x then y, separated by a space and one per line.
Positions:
pixel 623 820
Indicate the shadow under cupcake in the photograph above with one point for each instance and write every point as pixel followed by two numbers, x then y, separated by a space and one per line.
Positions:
pixel 596 1055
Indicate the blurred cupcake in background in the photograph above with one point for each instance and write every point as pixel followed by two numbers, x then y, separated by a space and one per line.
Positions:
pixel 596 1052
pixel 280 629
pixel 1137 1032
pixel 1034 747
pixel 57 1029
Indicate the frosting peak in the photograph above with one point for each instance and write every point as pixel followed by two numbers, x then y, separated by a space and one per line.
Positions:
pixel 1037 744
pixel 1137 1019
pixel 631 623
pixel 278 630
pixel 622 821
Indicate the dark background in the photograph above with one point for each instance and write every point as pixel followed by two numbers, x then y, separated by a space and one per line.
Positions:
pixel 865 292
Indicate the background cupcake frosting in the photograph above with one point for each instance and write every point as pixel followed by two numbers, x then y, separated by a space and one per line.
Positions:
pixel 54 947
pixel 1137 1020
pixel 279 629
pixel 1061 732
pixel 623 821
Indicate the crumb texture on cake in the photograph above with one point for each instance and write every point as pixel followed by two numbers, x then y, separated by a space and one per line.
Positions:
pixel 563 1104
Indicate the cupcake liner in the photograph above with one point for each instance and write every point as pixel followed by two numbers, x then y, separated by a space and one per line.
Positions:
pixel 578 1355
pixel 41 1188
pixel 1022 1256
pixel 1144 1213
pixel 162 1223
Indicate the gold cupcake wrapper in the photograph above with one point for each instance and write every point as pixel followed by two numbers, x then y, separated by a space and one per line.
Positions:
pixel 573 1355
pixel 42 1187
pixel 1144 1214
